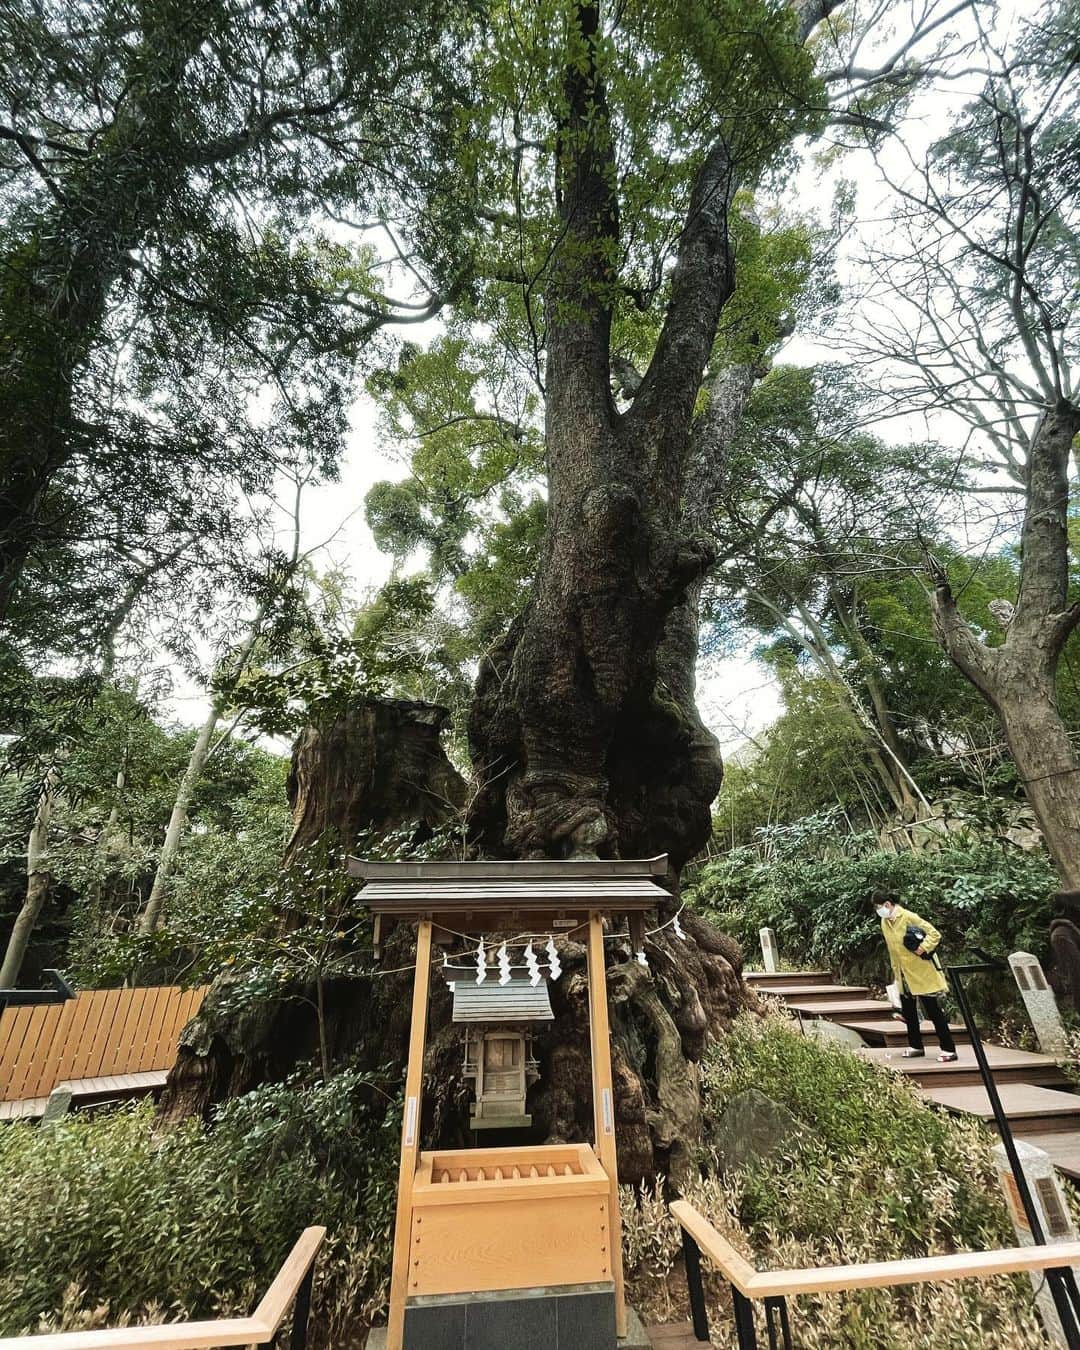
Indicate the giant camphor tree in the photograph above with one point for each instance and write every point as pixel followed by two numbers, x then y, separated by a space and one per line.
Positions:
pixel 608 155
pixel 589 743
pixel 630 140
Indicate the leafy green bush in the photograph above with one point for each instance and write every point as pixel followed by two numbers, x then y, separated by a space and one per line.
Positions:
pixel 873 1174
pixel 105 1218
pixel 872 1147
pixel 979 895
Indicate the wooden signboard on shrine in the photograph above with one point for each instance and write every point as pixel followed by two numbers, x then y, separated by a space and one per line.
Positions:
pixel 490 1234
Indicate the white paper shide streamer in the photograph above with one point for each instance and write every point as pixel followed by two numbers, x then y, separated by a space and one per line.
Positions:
pixel 481 962
pixel 554 964
pixel 677 926
pixel 532 965
pixel 503 957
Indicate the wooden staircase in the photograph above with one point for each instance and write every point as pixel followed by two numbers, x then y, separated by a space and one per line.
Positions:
pixel 1030 1085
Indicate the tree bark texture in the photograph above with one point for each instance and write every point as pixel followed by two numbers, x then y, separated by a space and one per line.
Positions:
pixel 378 766
pixel 1019 677
pixel 37 887
pixel 579 743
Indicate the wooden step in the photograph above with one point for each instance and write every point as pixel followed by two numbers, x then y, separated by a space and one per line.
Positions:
pixel 1063 1148
pixel 1031 1110
pixel 1008 1066
pixel 894 1032
pixel 675 1336
pixel 760 978
pixel 815 993
pixel 865 1009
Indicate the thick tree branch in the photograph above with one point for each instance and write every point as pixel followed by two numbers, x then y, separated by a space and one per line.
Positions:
pixel 1044 542
pixel 578 301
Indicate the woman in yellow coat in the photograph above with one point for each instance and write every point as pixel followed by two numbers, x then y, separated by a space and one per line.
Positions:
pixel 917 974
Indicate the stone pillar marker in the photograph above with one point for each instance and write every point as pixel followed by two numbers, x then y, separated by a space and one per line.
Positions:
pixel 768 949
pixel 1045 1187
pixel 57 1107
pixel 1040 1002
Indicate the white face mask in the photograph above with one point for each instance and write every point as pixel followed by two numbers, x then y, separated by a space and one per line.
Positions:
pixel 884 912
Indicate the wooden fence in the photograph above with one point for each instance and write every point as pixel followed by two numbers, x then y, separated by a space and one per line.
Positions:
pixel 98 1034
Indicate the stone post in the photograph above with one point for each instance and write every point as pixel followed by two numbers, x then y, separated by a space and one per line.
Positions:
pixel 57 1107
pixel 1040 1002
pixel 1045 1187
pixel 768 949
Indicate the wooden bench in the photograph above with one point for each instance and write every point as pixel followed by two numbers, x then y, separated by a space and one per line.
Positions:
pixel 102 1044
pixel 291 1285
pixel 773 1287
pixel 85 1092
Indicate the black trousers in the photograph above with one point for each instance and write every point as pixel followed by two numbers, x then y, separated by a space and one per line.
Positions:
pixel 932 1007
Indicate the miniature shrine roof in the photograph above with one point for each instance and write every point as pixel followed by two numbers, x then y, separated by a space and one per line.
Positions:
pixel 518 1001
pixel 507 891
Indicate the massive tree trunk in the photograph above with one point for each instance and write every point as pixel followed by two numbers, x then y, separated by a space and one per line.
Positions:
pixel 584 733
pixel 1019 677
pixel 378 766
pixel 578 743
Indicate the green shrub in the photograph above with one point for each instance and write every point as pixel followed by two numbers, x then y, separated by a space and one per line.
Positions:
pixel 106 1218
pixel 871 1146
pixel 873 1175
pixel 979 896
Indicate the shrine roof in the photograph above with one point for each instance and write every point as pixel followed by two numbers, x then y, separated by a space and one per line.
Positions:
pixel 547 886
pixel 518 1001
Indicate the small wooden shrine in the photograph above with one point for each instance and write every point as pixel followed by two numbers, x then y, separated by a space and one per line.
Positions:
pixel 499 1017
pixel 501 1246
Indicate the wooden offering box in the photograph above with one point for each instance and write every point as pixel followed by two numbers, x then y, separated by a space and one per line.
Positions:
pixel 509 1218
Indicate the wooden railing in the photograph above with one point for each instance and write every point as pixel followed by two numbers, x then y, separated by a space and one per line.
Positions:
pixel 291 1285
pixel 97 1034
pixel 774 1287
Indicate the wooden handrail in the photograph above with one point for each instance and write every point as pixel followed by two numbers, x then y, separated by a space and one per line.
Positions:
pixel 259 1329
pixel 755 1284
pixel 275 1302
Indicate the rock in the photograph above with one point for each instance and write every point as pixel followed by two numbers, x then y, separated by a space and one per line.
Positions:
pixel 750 1127
pixel 824 1030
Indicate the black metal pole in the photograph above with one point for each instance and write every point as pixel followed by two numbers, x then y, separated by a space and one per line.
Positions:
pixel 776 1313
pixel 698 1312
pixel 1061 1282
pixel 744 1320
pixel 301 1312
